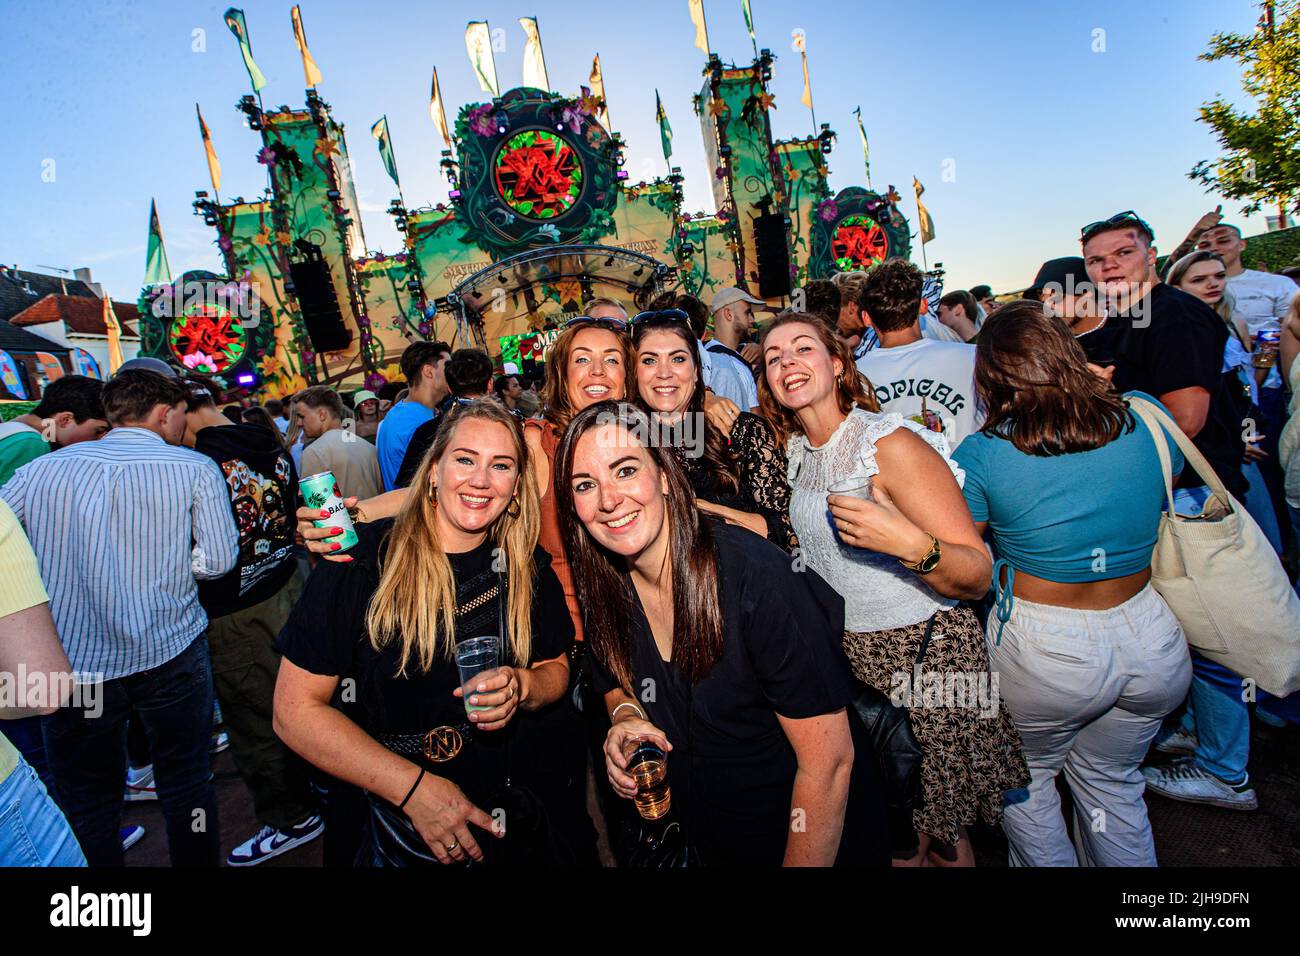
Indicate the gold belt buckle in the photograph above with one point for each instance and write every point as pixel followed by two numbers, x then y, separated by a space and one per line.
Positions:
pixel 442 744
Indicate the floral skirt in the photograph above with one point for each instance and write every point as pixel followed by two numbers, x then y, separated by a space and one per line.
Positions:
pixel 971 752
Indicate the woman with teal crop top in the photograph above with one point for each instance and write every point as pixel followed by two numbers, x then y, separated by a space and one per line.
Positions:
pixel 1088 656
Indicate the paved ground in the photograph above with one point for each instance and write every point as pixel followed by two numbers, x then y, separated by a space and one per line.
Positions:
pixel 1185 835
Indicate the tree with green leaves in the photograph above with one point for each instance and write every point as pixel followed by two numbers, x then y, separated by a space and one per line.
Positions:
pixel 1261 164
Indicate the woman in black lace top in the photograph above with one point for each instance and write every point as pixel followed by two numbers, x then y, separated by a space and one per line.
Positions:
pixel 740 477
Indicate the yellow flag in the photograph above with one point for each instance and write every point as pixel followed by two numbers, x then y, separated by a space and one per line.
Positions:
pixel 806 99
pixel 214 167
pixel 534 62
pixel 478 41
pixel 114 337
pixel 701 31
pixel 923 214
pixel 597 82
pixel 309 68
pixel 436 110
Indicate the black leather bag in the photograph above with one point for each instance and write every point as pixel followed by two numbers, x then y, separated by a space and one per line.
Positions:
pixel 890 731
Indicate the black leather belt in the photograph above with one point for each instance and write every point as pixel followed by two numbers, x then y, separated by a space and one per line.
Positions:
pixel 436 746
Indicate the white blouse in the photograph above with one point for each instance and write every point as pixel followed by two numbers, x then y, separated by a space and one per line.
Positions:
pixel 879 593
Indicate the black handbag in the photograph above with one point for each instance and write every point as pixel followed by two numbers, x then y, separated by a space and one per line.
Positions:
pixel 889 729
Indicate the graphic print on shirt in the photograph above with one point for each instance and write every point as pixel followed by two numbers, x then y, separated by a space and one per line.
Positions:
pixel 933 393
pixel 261 509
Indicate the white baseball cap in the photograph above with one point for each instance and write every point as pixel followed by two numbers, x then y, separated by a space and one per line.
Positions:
pixel 509 368
pixel 732 295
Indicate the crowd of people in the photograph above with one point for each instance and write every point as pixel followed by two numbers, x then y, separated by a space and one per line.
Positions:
pixel 719 536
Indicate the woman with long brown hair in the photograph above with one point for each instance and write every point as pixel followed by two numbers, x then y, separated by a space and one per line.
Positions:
pixel 738 475
pixel 879 514
pixel 706 641
pixel 459 561
pixel 1088 655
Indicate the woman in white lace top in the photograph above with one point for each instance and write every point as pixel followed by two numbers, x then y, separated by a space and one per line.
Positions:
pixel 902 556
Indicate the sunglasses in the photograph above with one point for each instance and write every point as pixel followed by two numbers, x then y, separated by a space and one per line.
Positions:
pixel 615 325
pixel 1119 219
pixel 660 317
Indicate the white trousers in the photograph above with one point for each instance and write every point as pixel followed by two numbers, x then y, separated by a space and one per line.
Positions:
pixel 1087 691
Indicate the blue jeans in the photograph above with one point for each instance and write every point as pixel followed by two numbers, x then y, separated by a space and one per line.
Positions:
pixel 1260 506
pixel 1218 717
pixel 1216 714
pixel 33 830
pixel 88 757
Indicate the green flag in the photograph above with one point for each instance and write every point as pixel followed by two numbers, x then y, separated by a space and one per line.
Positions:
pixel 749 18
pixel 665 131
pixel 235 20
pixel 380 132
pixel 156 269
pixel 866 156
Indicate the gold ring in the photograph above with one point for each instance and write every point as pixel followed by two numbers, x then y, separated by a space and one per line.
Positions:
pixel 452 845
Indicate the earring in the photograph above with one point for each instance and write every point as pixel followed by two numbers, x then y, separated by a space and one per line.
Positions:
pixel 433 493
pixel 514 508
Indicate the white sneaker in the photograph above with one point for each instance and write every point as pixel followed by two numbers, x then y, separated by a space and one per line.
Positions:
pixel 1179 742
pixel 140 784
pixel 220 742
pixel 1189 783
pixel 269 842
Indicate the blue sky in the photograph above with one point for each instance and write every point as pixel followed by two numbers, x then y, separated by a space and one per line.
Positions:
pixel 1018 129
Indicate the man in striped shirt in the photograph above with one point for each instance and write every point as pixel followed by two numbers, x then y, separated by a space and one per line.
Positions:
pixel 122 529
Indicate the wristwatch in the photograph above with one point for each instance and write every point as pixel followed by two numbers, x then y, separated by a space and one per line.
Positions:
pixel 929 561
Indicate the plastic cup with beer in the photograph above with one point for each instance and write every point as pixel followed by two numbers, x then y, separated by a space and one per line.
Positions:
pixel 647 765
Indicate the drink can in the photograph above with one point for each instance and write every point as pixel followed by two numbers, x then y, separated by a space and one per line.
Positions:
pixel 321 492
pixel 1267 342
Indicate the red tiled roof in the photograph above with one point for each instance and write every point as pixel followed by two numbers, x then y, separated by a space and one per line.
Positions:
pixel 79 314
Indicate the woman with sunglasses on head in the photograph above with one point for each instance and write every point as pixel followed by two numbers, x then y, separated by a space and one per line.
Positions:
pixel 738 476
pixel 896 540
pixel 460 560
pixel 750 683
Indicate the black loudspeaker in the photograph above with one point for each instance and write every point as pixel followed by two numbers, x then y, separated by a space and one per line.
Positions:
pixel 773 255
pixel 314 289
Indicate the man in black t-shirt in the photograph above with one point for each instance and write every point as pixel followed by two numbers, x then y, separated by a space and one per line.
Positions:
pixel 246 610
pixel 1162 341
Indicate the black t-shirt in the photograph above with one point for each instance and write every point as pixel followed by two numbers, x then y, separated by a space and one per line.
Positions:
pixel 326 634
pixel 263 488
pixel 731 769
pixel 1170 342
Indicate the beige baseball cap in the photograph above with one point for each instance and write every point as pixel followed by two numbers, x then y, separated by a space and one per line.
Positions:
pixel 364 395
pixel 732 295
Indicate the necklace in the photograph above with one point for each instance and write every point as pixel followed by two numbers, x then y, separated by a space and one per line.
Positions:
pixel 1079 335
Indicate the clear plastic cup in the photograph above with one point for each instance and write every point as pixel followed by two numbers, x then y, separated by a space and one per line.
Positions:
pixel 474 658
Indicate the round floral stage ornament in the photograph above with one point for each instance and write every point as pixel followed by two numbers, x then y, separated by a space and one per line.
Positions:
pixel 538 174
pixel 859 243
pixel 207 338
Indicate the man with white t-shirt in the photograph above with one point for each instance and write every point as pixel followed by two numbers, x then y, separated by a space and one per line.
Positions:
pixel 926 380
pixel 1263 300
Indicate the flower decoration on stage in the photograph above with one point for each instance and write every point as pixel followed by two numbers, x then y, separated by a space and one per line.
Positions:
pixel 224 243
pixel 363 321
pixel 716 107
pixel 720 173
pixel 859 243
pixel 589 103
pixel 424 329
pixel 266 156
pixel 308 356
pixel 284 238
pixel 375 381
pixel 856 229
pixel 326 147
pixel 535 168
pixel 767 101
pixel 480 120
pixel 538 173
pixel 207 338
pixel 263 238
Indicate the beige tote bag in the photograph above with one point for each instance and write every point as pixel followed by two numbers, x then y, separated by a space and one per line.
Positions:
pixel 1221 577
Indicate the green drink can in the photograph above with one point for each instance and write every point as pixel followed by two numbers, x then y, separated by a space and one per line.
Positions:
pixel 321 492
